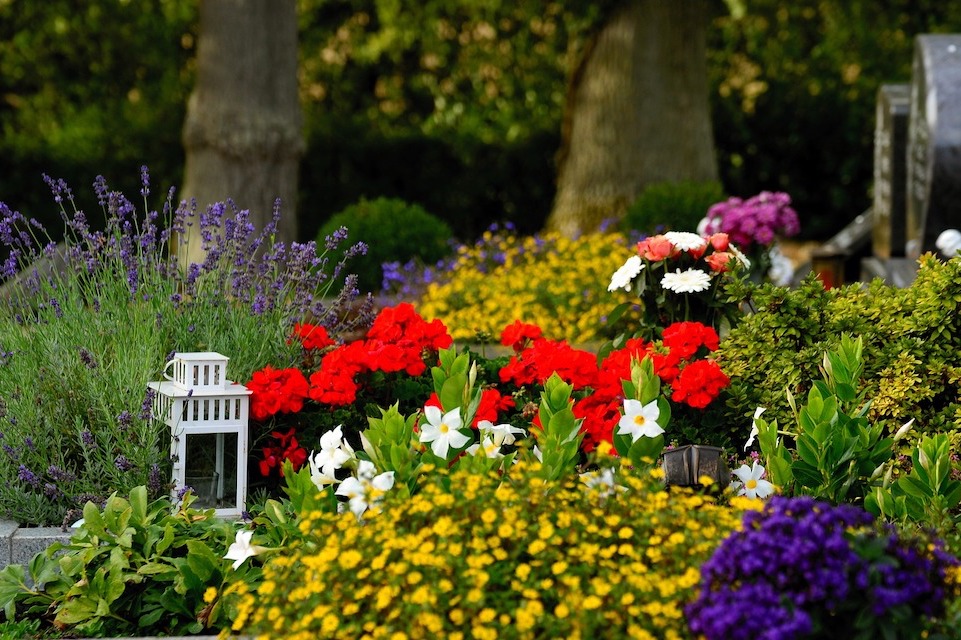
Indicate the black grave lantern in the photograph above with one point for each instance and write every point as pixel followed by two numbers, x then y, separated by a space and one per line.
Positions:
pixel 684 466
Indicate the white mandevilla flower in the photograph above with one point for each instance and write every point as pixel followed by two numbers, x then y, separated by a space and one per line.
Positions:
pixel 624 276
pixel 640 420
pixel 241 549
pixel 602 482
pixel 487 447
pixel 442 431
pixel 754 431
pixel 685 241
pixel 500 433
pixel 334 453
pixel 689 281
pixel 366 489
pixel 751 483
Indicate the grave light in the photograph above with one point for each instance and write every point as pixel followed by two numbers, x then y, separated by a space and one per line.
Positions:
pixel 208 419
pixel 685 466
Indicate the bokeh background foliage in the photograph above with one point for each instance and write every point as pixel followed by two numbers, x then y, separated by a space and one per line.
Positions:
pixel 414 100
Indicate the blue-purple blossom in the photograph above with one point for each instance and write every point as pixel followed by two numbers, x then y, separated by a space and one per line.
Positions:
pixel 154 480
pixel 26 475
pixel 146 407
pixel 87 438
pixel 122 463
pixel 87 358
pixel 804 567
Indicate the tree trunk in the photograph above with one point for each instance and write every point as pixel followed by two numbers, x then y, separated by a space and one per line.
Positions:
pixel 243 132
pixel 637 113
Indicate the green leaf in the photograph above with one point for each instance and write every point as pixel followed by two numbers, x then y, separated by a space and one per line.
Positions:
pixel 138 505
pixel 452 392
pixel 807 475
pixel 76 611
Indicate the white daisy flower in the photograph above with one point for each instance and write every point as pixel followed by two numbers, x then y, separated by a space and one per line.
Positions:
pixel 743 259
pixel 684 240
pixel 624 276
pixel 689 281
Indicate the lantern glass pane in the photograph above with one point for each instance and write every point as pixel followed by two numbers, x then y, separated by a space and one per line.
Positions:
pixel 211 469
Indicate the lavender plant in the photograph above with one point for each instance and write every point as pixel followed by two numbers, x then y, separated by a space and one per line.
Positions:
pixel 86 323
pixel 802 568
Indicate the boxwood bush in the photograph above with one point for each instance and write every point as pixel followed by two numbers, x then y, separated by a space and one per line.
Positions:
pixel 393 230
pixel 912 348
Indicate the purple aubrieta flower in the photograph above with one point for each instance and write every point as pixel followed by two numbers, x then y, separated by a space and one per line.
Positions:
pixel 803 566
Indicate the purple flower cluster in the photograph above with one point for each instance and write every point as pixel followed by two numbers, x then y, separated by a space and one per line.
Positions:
pixel 760 219
pixel 801 567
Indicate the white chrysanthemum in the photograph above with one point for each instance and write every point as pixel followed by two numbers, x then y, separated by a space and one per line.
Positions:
pixel 689 281
pixel 684 240
pixel 743 259
pixel 624 276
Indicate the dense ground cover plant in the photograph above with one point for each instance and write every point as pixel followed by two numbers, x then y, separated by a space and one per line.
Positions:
pixel 554 282
pixel 911 347
pixel 478 555
pixel 811 569
pixel 86 324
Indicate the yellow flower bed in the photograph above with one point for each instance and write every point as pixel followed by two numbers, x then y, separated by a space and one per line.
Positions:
pixel 472 556
pixel 554 282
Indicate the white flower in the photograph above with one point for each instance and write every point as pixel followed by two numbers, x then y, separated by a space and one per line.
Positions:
pixel 754 431
pixel 442 431
pixel 751 483
pixel 640 420
pixel 743 259
pixel 365 490
pixel 690 281
pixel 500 433
pixel 685 241
pixel 487 446
pixel 602 482
pixel 782 269
pixel 334 453
pixel 949 242
pixel 624 276
pixel 241 549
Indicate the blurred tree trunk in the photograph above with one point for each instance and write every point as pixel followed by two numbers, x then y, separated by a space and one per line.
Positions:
pixel 243 132
pixel 637 112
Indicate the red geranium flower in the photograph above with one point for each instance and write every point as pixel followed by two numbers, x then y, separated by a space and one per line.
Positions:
pixel 699 383
pixel 519 335
pixel 287 448
pixel 312 336
pixel 276 391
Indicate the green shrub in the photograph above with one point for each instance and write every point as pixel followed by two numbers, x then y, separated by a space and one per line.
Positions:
pixel 672 206
pixel 911 338
pixel 134 567
pixel 472 556
pixel 393 230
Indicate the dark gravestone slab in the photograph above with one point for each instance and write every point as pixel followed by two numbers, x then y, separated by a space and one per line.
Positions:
pixel 890 166
pixel 934 141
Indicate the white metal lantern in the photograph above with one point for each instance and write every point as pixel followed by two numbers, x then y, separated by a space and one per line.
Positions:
pixel 208 419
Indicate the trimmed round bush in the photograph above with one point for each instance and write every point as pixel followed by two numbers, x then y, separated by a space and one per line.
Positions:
pixel 672 206
pixel 393 230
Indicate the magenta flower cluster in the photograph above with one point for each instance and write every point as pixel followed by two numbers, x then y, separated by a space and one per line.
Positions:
pixel 803 568
pixel 759 220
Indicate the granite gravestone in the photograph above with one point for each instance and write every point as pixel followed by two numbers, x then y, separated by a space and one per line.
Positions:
pixel 890 165
pixel 934 142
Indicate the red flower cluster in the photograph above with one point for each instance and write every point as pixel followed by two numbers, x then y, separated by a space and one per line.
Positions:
pixel 287 448
pixel 312 336
pixel 677 359
pixel 398 340
pixel 276 391
pixel 537 358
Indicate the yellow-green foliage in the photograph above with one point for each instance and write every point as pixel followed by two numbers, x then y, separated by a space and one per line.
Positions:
pixel 912 347
pixel 554 282
pixel 475 556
